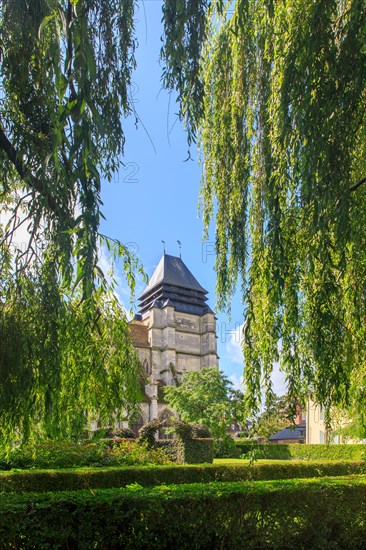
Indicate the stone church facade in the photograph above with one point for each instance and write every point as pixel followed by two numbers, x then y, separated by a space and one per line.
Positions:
pixel 173 333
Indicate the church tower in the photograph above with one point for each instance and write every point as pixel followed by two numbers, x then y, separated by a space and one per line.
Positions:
pixel 173 333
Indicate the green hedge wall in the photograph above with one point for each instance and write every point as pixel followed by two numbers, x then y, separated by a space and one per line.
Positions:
pixel 74 454
pixel 59 480
pixel 188 451
pixel 195 451
pixel 317 514
pixel 105 452
pixel 301 451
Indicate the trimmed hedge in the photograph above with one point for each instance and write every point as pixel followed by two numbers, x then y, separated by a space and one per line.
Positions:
pixel 188 451
pixel 317 514
pixel 195 451
pixel 107 452
pixel 71 480
pixel 191 444
pixel 302 451
pixel 71 454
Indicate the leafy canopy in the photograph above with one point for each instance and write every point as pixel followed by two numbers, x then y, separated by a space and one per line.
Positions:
pixel 275 93
pixel 275 417
pixel 65 72
pixel 58 369
pixel 280 117
pixel 205 397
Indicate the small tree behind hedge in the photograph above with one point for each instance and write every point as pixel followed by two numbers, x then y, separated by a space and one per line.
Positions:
pixel 204 397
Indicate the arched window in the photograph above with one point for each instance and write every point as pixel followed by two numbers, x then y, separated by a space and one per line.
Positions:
pixel 165 415
pixel 146 366
pixel 137 425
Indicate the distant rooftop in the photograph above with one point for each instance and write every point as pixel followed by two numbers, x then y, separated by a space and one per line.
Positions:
pixel 172 284
pixel 298 432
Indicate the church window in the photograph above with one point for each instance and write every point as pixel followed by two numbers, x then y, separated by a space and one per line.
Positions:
pixel 162 434
pixel 137 425
pixel 146 366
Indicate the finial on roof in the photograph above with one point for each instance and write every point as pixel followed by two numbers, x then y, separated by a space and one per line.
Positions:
pixel 163 247
pixel 180 249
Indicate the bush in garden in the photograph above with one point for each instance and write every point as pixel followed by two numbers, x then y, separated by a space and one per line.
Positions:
pixel 182 430
pixel 150 475
pixel 327 513
pixel 199 430
pixel 124 433
pixel 186 448
pixel 225 447
pixel 56 454
pixel 148 431
pixel 130 454
pixel 67 454
pixel 302 451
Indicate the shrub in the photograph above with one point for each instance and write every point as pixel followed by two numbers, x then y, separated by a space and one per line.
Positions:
pixel 148 431
pixel 195 451
pixel 170 446
pixel 132 454
pixel 184 449
pixel 182 430
pixel 225 447
pixel 94 478
pixel 101 433
pixel 320 514
pixel 301 451
pixel 200 431
pixel 124 433
pixel 67 454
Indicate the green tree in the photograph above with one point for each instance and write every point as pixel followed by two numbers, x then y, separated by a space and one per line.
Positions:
pixel 275 93
pixel 204 397
pixel 59 368
pixel 349 423
pixel 276 416
pixel 280 116
pixel 65 74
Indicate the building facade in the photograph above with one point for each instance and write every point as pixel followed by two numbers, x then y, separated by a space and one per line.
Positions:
pixel 173 333
pixel 315 425
pixel 317 430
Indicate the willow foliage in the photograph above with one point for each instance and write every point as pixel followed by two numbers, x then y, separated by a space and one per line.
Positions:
pixel 60 369
pixel 282 136
pixel 275 92
pixel 65 72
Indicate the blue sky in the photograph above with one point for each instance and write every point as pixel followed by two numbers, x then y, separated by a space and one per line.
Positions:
pixel 155 197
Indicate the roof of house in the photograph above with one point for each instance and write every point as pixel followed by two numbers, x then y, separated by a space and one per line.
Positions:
pixel 288 433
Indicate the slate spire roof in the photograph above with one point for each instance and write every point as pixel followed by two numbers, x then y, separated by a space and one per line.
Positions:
pixel 173 284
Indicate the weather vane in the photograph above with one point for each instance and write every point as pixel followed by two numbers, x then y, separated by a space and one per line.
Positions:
pixel 180 249
pixel 163 246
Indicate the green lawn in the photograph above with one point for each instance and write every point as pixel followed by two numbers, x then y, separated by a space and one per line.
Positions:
pixel 242 461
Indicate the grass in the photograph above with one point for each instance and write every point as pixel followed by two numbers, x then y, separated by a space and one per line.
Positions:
pixel 243 461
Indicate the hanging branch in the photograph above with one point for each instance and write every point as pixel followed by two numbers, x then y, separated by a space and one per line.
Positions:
pixel 357 185
pixel 33 182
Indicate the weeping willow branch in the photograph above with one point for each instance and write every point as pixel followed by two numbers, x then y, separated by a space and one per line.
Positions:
pixel 34 183
pixel 282 133
pixel 357 185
